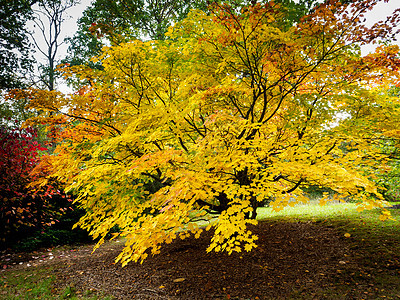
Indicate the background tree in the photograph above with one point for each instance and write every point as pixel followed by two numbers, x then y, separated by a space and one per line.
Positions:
pixel 389 177
pixel 13 111
pixel 17 65
pixel 16 61
pixel 234 108
pixel 15 55
pixel 48 21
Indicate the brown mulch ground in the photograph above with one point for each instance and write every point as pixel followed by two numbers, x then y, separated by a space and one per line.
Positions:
pixel 292 261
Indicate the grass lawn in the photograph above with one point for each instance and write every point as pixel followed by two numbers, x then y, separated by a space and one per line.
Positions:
pixel 37 283
pixel 376 243
pixel 362 226
pixel 363 229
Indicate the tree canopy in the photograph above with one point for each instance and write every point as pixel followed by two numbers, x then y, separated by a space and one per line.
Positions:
pixel 238 107
pixel 117 21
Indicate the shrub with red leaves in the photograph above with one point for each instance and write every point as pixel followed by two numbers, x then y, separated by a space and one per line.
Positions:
pixel 23 208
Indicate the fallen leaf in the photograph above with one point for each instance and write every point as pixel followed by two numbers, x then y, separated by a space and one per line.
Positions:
pixel 179 279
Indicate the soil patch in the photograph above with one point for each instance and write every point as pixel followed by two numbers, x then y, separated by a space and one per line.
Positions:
pixel 292 261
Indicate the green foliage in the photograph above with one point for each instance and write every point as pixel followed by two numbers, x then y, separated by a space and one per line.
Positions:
pixel 15 57
pixel 317 192
pixel 137 18
pixel 83 46
pixel 390 180
pixel 392 185
pixel 13 112
pixel 57 235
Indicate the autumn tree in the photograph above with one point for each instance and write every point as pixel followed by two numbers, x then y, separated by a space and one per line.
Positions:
pixel 236 108
pixel 124 20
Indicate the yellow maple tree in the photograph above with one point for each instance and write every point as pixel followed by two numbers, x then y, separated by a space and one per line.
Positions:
pixel 233 109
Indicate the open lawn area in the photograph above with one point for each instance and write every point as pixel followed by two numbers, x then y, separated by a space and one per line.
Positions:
pixel 304 252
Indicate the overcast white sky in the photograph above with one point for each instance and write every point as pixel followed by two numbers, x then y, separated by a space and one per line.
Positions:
pixel 380 12
pixel 68 29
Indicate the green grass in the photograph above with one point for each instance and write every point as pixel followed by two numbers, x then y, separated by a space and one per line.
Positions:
pixel 37 283
pixel 23 284
pixel 309 211
pixel 374 243
pixel 344 216
pixel 366 230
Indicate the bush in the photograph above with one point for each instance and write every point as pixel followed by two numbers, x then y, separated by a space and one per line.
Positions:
pixel 26 211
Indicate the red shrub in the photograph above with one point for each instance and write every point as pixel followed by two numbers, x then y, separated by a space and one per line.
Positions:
pixel 23 208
